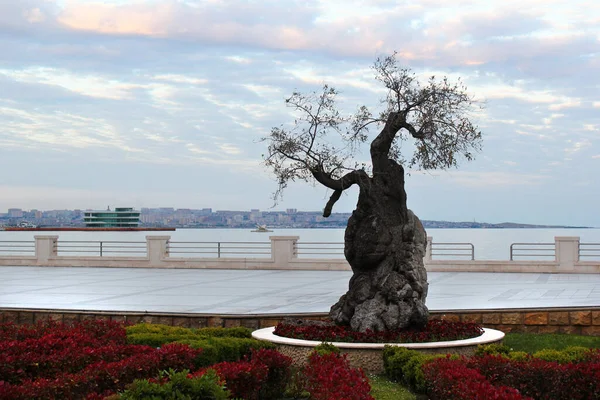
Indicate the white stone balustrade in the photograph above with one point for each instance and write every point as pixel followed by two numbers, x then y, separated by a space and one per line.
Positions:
pixel 283 255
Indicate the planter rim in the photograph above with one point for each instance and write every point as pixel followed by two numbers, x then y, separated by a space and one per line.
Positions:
pixel 488 336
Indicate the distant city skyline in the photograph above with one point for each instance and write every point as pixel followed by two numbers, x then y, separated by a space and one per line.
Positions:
pixel 180 217
pixel 150 102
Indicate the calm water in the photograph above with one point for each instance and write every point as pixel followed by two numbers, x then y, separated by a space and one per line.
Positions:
pixel 490 244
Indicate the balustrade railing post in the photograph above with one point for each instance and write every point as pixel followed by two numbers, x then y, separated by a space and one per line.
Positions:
pixel 428 256
pixel 218 249
pixel 566 252
pixel 282 250
pixel 45 248
pixel 100 249
pixel 157 248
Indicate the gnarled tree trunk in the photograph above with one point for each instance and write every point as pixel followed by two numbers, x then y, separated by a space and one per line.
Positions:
pixel 385 245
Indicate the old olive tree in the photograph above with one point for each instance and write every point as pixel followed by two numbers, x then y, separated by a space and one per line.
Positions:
pixel 384 241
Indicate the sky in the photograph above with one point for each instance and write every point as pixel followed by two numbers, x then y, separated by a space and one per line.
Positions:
pixel 162 103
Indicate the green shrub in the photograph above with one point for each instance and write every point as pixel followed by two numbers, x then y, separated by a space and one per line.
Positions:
pixel 157 329
pixel 177 386
pixel 238 332
pixel 218 344
pixel 177 330
pixel 413 370
pixel 405 365
pixel 326 348
pixel 519 355
pixel 157 339
pixel 569 354
pixel 493 349
pixel 394 358
pixel 218 349
pixel 156 335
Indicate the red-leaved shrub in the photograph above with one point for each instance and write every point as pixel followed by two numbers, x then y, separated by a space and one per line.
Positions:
pixel 435 330
pixel 542 379
pixel 278 371
pixel 88 359
pixel 449 379
pixel 330 377
pixel 243 379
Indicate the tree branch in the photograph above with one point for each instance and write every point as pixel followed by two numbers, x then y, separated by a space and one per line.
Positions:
pixel 329 206
pixel 420 134
pixel 342 183
pixel 380 147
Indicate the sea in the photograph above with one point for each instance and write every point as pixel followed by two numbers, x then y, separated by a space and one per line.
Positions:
pixel 489 244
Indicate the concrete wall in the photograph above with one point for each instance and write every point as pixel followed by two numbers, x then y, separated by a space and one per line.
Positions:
pixel 577 320
pixel 283 256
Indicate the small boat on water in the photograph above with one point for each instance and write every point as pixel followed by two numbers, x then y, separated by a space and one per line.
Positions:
pixel 261 228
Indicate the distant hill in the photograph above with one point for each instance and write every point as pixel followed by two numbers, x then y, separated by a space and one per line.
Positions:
pixel 502 225
pixel 340 222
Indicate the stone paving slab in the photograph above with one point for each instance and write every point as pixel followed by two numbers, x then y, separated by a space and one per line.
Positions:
pixel 268 291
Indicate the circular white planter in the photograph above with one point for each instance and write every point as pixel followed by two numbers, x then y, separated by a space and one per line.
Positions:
pixel 368 355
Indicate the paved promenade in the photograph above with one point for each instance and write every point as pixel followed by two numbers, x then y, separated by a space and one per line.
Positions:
pixel 263 292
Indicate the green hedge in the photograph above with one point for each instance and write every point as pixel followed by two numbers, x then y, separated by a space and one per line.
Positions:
pixel 569 354
pixel 405 365
pixel 573 354
pixel 157 335
pixel 215 350
pixel 170 331
pixel 177 387
pixel 218 344
pixel 326 348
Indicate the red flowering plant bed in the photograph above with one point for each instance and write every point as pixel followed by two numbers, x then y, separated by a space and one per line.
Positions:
pixel 434 331
pixel 330 377
pixel 84 360
pixel 265 374
pixel 500 377
pixel 91 360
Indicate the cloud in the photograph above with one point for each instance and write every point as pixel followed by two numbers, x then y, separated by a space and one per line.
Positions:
pixel 230 149
pixel 87 85
pixel 549 120
pixel 60 198
pixel 441 32
pixel 577 146
pixel 179 78
pixel 195 149
pixel 28 16
pixel 59 131
pixel 492 179
pixel 567 104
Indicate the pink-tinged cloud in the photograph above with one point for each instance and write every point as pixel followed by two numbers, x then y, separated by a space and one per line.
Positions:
pixel 27 15
pixel 136 19
pixel 468 36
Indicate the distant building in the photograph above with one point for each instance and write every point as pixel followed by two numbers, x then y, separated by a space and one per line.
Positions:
pixel 255 214
pixel 118 218
pixel 15 213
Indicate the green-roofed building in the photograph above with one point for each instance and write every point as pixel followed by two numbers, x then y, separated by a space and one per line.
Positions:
pixel 118 218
